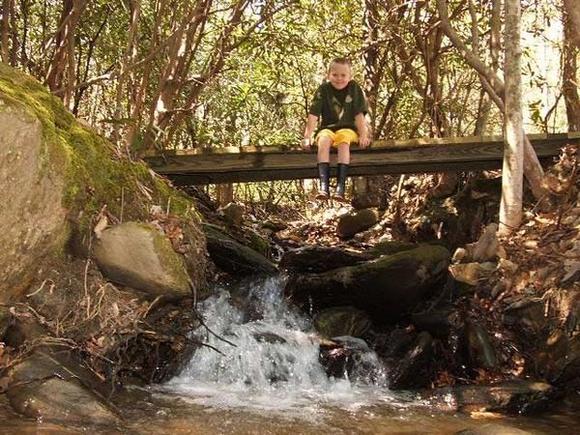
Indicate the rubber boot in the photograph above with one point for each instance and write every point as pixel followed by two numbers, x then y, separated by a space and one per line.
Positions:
pixel 341 182
pixel 324 175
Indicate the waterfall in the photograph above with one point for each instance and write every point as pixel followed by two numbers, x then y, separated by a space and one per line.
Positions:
pixel 271 360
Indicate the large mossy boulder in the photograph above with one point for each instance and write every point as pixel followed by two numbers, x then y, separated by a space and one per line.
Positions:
pixel 32 189
pixel 386 288
pixel 57 176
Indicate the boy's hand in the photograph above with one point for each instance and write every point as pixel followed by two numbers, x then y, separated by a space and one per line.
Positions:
pixel 306 143
pixel 364 140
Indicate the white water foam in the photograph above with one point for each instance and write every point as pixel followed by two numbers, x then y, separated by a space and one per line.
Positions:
pixel 274 364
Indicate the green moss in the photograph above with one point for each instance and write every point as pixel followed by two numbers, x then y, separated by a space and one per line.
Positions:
pixel 94 174
pixel 170 259
pixel 424 254
pixel 259 244
pixel 390 247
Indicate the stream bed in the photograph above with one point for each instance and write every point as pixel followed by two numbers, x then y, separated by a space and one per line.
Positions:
pixel 259 373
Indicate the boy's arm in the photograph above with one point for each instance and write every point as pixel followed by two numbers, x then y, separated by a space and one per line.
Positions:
pixel 311 123
pixel 362 129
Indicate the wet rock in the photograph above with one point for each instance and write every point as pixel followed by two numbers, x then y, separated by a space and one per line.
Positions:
pixel 41 388
pixel 353 223
pixel 518 397
pixel 268 337
pixel 233 257
pixel 494 429
pixel 319 259
pixel 349 357
pixel 438 322
pixel 414 370
pixel 396 343
pixel 527 313
pixel 559 359
pixel 480 350
pixel 139 256
pixel 386 288
pixel 337 321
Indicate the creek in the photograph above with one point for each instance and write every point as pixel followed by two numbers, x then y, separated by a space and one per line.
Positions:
pixel 259 373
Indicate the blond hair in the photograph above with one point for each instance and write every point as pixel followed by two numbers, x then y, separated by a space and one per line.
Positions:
pixel 340 61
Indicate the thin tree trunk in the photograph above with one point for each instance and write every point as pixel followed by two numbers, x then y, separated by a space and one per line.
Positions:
pixel 572 9
pixel 510 211
pixel 569 72
pixel 138 96
pixel 128 59
pixel 370 56
pixel 61 72
pixel 365 189
pixel 7 12
pixel 25 19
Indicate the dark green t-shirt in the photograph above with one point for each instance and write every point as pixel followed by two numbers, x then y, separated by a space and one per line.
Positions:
pixel 337 108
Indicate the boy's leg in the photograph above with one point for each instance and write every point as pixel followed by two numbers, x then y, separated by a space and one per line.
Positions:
pixel 344 139
pixel 324 175
pixel 324 141
pixel 342 172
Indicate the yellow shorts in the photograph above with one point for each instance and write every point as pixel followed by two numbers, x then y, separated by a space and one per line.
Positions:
pixel 344 135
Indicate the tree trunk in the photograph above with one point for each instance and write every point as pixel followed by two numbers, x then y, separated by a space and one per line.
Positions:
pixel 510 212
pixel 61 72
pixel 225 193
pixel 365 189
pixel 7 12
pixel 129 58
pixel 569 72
pixel 572 9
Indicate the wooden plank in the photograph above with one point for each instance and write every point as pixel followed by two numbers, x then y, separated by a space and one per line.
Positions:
pixel 458 154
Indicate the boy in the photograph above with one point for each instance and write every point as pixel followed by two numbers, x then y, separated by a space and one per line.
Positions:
pixel 342 105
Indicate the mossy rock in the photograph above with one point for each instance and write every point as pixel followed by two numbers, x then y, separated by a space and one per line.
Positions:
pixel 353 223
pixel 342 321
pixel 233 257
pixel 139 256
pixel 58 177
pixel 389 247
pixel 386 288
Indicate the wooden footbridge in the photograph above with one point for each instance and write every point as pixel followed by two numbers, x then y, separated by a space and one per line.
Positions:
pixel 225 165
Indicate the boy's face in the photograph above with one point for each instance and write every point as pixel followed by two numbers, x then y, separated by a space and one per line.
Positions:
pixel 339 75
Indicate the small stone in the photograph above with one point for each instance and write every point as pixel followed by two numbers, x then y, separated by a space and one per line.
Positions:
pixel 508 266
pixel 469 273
pixel 459 255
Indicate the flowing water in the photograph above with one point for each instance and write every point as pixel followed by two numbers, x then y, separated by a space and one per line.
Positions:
pixel 259 373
